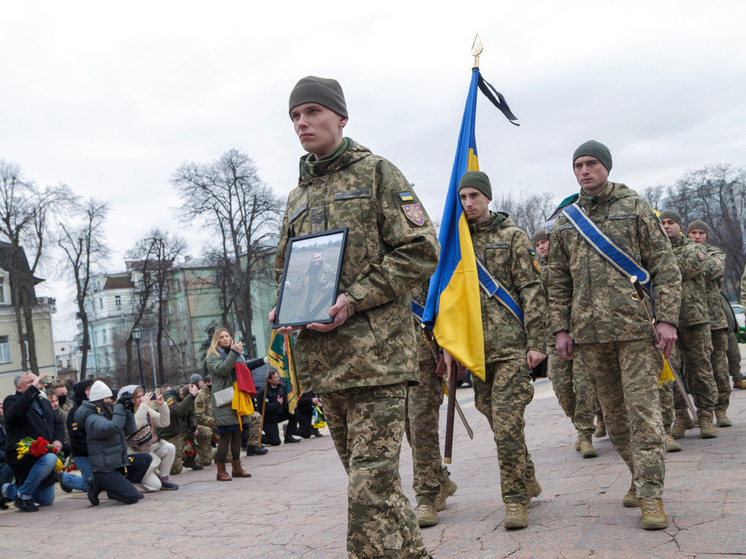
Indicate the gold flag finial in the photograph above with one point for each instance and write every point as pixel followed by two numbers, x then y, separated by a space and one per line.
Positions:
pixel 476 50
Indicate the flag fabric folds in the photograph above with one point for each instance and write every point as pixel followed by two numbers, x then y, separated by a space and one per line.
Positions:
pixel 453 310
pixel 281 357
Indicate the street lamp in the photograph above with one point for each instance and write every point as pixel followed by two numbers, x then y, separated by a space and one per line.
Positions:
pixel 136 335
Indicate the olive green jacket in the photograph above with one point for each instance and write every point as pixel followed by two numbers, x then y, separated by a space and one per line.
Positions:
pixel 691 258
pixel 714 276
pixel 220 370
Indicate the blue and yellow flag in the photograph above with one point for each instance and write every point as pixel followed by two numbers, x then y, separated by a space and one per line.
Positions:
pixel 281 357
pixel 453 310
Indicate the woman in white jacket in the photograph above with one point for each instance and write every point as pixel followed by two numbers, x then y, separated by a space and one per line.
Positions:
pixel 163 452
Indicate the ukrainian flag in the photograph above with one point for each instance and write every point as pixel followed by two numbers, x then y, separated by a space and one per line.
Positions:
pixel 453 310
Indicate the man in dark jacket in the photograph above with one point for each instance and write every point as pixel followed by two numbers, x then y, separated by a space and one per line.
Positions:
pixel 6 474
pixel 276 410
pixel 28 414
pixel 76 430
pixel 106 429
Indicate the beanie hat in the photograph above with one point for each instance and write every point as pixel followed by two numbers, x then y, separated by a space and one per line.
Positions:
pixel 594 149
pixel 698 224
pixel 99 391
pixel 539 235
pixel 670 214
pixel 324 91
pixel 478 180
pixel 195 378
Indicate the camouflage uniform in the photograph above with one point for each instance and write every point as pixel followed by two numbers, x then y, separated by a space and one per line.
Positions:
pixel 613 339
pixel 714 272
pixel 181 430
pixel 203 409
pixel 422 419
pixel 362 367
pixel 506 391
pixel 694 326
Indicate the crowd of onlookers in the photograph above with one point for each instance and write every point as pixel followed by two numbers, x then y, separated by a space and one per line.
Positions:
pixel 88 438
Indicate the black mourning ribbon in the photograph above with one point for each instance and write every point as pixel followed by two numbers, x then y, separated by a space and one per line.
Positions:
pixel 497 99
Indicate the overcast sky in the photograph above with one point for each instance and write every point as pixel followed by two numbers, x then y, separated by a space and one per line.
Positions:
pixel 109 98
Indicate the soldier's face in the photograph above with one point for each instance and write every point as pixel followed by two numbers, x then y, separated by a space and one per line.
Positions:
pixel 476 205
pixel 591 175
pixel 698 236
pixel 542 247
pixel 319 129
pixel 671 228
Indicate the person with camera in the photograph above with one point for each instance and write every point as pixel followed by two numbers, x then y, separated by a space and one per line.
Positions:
pixel 106 429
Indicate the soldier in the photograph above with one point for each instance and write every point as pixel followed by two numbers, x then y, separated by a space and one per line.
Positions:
pixel 698 231
pixel 613 342
pixel 360 363
pixel 694 334
pixel 203 404
pixel 432 484
pixel 513 344
pixel 184 426
pixel 575 392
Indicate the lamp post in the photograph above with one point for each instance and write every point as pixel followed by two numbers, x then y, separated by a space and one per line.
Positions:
pixel 136 335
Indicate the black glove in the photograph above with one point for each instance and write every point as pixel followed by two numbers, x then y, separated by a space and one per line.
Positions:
pixel 127 401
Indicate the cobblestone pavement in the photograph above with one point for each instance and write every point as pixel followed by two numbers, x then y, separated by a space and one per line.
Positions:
pixel 295 503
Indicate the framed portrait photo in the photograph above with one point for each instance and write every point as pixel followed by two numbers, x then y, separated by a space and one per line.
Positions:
pixel 310 278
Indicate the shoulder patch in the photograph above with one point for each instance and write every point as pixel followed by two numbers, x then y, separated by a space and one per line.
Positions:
pixel 702 253
pixel 414 214
pixel 406 196
pixel 170 401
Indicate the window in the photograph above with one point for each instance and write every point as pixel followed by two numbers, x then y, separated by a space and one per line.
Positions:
pixel 118 302
pixel 5 349
pixel 101 303
pixel 2 290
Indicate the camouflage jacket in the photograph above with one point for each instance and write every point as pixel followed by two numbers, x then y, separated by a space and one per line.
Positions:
pixel 591 298
pixel 506 252
pixel 203 407
pixel 391 248
pixel 425 357
pixel 714 275
pixel 690 258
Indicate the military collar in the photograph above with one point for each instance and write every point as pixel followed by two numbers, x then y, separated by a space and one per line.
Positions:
pixel 309 165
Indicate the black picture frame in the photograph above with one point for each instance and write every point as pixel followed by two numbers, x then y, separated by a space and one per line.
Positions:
pixel 308 290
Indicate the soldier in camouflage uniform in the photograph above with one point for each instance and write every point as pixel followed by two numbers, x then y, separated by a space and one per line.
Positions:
pixel 183 428
pixel 693 329
pixel 714 274
pixel 432 484
pixel 613 341
pixel 203 407
pixel 575 393
pixel 510 349
pixel 362 362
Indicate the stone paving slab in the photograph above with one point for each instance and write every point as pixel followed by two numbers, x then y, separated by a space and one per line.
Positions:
pixel 295 504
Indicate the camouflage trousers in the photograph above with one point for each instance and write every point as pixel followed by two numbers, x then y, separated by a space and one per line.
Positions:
pixel 720 367
pixel 421 427
pixel 626 378
pixel 201 443
pixel 255 430
pixel 695 346
pixel 367 426
pixel 502 397
pixel 667 411
pixel 575 393
pixel 734 357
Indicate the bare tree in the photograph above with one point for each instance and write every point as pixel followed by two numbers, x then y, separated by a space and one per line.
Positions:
pixel 153 257
pixel 81 238
pixel 234 203
pixel 24 211
pixel 527 212
pixel 654 195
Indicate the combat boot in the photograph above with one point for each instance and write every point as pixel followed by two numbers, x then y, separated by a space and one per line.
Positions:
pixel 682 423
pixel 706 428
pixel 516 516
pixel 222 474
pixel 447 489
pixel 426 515
pixel 577 445
pixel 600 429
pixel 740 384
pixel 671 444
pixel 631 500
pixel 723 420
pixel 533 489
pixel 587 450
pixel 653 517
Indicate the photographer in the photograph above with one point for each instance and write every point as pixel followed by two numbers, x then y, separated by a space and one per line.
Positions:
pixel 106 429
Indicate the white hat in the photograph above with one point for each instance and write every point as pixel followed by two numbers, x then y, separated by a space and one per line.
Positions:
pixel 99 391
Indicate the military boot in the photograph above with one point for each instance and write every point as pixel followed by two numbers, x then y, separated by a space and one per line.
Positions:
pixel 600 429
pixel 631 499
pixel 516 516
pixel 682 423
pixel 740 384
pixel 587 450
pixel 723 420
pixel 671 444
pixel 426 515
pixel 577 445
pixel 706 428
pixel 447 489
pixel 533 489
pixel 653 516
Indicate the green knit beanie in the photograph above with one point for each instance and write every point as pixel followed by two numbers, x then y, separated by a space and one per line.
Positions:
pixel 670 214
pixel 539 235
pixel 698 224
pixel 594 149
pixel 324 91
pixel 478 180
